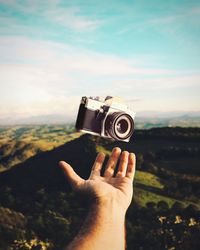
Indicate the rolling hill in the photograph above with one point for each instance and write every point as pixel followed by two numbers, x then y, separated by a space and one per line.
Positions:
pixel 18 143
pixel 37 194
pixel 41 171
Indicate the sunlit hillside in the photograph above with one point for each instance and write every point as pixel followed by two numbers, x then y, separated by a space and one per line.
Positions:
pixel 18 143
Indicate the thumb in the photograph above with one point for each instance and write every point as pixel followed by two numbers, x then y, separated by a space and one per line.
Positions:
pixel 74 179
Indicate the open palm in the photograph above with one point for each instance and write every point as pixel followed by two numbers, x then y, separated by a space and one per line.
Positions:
pixel 107 187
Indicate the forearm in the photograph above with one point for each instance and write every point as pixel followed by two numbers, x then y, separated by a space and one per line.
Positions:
pixel 102 229
pixel 104 226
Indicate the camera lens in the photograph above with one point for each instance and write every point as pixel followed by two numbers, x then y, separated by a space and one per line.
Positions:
pixel 122 126
pixel 119 125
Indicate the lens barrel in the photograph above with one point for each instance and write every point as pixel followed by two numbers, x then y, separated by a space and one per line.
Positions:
pixel 119 125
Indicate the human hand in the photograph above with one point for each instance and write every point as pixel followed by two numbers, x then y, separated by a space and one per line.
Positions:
pixel 107 188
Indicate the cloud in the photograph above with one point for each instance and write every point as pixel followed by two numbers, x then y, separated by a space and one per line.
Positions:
pixel 162 93
pixel 47 77
pixel 39 72
pixel 70 17
pixel 180 16
pixel 171 20
pixel 159 83
pixel 62 105
pixel 66 58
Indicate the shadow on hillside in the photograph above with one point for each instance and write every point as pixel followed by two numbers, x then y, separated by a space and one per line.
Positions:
pixel 42 170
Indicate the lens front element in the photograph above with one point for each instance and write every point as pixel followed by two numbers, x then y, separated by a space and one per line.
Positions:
pixel 119 125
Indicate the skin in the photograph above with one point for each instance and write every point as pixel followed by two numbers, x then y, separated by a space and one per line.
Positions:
pixel 112 195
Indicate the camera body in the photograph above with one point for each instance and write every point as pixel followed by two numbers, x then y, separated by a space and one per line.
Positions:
pixel 108 118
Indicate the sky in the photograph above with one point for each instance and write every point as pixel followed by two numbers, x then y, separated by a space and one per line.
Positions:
pixel 52 52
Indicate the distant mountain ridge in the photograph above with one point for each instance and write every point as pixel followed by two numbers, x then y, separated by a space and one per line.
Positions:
pixel 163 120
pixel 38 120
pixel 166 118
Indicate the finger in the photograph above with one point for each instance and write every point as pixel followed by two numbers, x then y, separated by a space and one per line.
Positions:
pixel 74 179
pixel 123 164
pixel 131 166
pixel 112 162
pixel 96 168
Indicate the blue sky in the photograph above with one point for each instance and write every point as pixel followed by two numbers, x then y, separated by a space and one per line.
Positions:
pixel 53 52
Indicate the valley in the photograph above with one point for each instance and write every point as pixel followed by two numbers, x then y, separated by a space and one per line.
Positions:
pixel 34 191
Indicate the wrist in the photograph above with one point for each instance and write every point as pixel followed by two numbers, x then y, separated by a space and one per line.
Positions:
pixel 109 208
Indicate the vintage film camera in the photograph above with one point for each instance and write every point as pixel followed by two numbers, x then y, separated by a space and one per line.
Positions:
pixel 109 118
